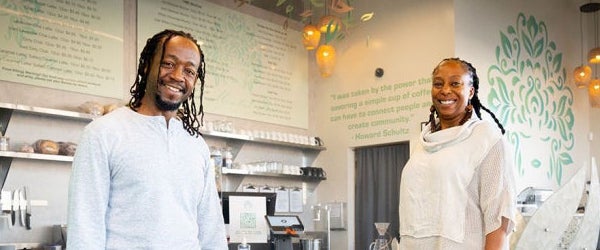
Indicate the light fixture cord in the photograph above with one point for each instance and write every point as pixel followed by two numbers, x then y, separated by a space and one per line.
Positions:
pixel 596 39
pixel 596 27
pixel 311 13
pixel 581 35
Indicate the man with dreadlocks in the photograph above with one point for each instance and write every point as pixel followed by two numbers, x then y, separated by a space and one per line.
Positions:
pixel 141 176
pixel 457 190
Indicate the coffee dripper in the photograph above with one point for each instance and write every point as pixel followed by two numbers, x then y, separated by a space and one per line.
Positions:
pixel 382 242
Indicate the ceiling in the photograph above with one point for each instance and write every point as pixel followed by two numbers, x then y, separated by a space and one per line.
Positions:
pixel 299 6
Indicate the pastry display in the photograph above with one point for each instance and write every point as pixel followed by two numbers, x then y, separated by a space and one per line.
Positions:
pixel 27 149
pixel 92 108
pixel 66 148
pixel 43 146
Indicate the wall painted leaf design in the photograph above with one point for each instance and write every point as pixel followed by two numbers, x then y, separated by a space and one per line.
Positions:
pixel 528 93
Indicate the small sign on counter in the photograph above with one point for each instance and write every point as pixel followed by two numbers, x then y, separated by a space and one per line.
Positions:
pixel 247 219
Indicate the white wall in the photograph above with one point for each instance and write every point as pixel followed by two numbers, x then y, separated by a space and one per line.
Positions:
pixel 478 28
pixel 406 39
pixel 48 180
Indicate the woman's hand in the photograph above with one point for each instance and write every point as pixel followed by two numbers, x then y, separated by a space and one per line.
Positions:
pixel 497 238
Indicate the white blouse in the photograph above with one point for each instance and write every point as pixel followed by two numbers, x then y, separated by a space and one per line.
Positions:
pixel 488 196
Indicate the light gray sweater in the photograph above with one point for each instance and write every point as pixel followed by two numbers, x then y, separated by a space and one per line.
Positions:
pixel 137 183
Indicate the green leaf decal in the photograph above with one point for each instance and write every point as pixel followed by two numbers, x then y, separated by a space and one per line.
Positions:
pixel 511 30
pixel 527 44
pixel 538 48
pixel 529 94
pixel 506 48
pixel 557 63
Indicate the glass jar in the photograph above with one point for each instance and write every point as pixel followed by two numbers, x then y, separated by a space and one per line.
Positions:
pixel 4 143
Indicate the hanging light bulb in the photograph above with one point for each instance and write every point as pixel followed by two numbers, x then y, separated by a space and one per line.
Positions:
pixel 582 75
pixel 330 23
pixel 310 37
pixel 325 57
pixel 595 86
pixel 594 90
pixel 310 34
pixel 594 93
pixel 594 54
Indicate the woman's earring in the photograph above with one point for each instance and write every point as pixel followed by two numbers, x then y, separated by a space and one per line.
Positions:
pixel 469 107
pixel 468 113
pixel 432 118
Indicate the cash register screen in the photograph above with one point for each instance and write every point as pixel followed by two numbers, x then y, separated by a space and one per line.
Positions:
pixel 279 224
pixel 283 220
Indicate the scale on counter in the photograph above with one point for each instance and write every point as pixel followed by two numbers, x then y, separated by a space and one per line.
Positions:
pixel 283 228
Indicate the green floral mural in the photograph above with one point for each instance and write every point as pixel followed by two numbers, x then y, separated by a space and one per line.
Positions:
pixel 529 94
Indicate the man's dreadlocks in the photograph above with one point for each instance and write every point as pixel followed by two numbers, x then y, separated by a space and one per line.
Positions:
pixel 188 112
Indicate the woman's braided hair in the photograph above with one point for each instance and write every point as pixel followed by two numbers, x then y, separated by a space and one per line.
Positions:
pixel 477 105
pixel 188 112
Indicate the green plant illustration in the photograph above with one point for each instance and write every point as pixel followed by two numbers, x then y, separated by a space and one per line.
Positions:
pixel 529 94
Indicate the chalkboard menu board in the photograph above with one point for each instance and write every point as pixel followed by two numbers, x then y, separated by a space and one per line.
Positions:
pixel 255 69
pixel 74 45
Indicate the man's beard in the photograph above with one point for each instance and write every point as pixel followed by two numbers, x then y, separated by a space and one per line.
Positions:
pixel 166 106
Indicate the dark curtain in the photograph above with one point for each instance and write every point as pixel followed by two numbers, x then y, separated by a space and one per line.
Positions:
pixel 377 187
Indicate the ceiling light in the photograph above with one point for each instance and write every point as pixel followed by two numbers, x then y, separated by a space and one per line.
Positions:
pixel 330 24
pixel 594 54
pixel 310 37
pixel 325 57
pixel 582 75
pixel 594 93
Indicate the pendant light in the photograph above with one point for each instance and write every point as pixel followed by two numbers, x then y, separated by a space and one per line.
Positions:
pixel 310 37
pixel 594 89
pixel 594 93
pixel 329 23
pixel 325 57
pixel 583 73
pixel 310 34
pixel 594 54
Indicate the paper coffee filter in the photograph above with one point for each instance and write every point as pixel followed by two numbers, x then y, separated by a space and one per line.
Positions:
pixel 381 227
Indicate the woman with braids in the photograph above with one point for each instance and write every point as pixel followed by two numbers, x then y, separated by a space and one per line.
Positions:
pixel 457 189
pixel 141 177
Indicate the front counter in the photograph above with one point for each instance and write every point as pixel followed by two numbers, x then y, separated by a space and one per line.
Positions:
pixel 262 246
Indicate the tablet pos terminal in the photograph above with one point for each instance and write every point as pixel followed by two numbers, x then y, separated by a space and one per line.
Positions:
pixel 283 228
